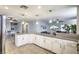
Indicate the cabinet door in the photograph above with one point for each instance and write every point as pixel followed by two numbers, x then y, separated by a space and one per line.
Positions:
pixel 18 40
pixel 70 47
pixel 56 46
pixel 33 38
pixel 28 38
pixel 37 40
pixel 47 43
pixel 41 41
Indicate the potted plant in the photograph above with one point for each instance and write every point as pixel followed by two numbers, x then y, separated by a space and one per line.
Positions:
pixel 67 28
pixel 73 28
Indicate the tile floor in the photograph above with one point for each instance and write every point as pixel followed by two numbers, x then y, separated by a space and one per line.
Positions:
pixel 10 48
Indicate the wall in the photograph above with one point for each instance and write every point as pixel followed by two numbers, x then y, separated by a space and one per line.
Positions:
pixel 37 28
pixel 71 21
pixel 33 28
pixel 19 27
pixel 77 20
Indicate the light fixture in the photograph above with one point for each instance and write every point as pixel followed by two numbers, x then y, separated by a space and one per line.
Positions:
pixel 39 7
pixel 11 21
pixel 37 23
pixel 26 13
pixel 6 7
pixel 50 21
pixel 4 17
pixel 22 22
pixel 57 21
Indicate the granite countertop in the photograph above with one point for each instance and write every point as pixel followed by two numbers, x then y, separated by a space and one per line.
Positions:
pixel 65 36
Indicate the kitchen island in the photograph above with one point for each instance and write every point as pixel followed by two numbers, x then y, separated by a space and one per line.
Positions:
pixel 60 44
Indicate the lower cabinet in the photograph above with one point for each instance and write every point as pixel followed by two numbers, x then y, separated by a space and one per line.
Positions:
pixel 37 40
pixel 23 39
pixel 18 40
pixel 70 47
pixel 51 44
pixel 47 43
pixel 55 45
pixel 60 46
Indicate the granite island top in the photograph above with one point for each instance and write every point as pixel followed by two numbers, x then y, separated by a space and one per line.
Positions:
pixel 64 36
pixel 71 37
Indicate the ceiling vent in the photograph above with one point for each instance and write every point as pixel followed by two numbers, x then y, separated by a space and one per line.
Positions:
pixel 23 6
pixel 50 10
pixel 36 15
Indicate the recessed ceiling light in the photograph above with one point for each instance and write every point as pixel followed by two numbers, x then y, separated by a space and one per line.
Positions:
pixel 37 23
pixel 39 7
pixel 50 21
pixel 6 7
pixel 22 22
pixel 26 13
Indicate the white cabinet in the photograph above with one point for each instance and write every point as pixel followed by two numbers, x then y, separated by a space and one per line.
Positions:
pixel 47 43
pixel 40 40
pixel 36 40
pixel 18 40
pixel 43 42
pixel 56 46
pixel 23 39
pixel 61 46
pixel 29 38
pixel 70 47
pixel 53 44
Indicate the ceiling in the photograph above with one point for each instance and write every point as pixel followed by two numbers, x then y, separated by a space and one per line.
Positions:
pixel 36 12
